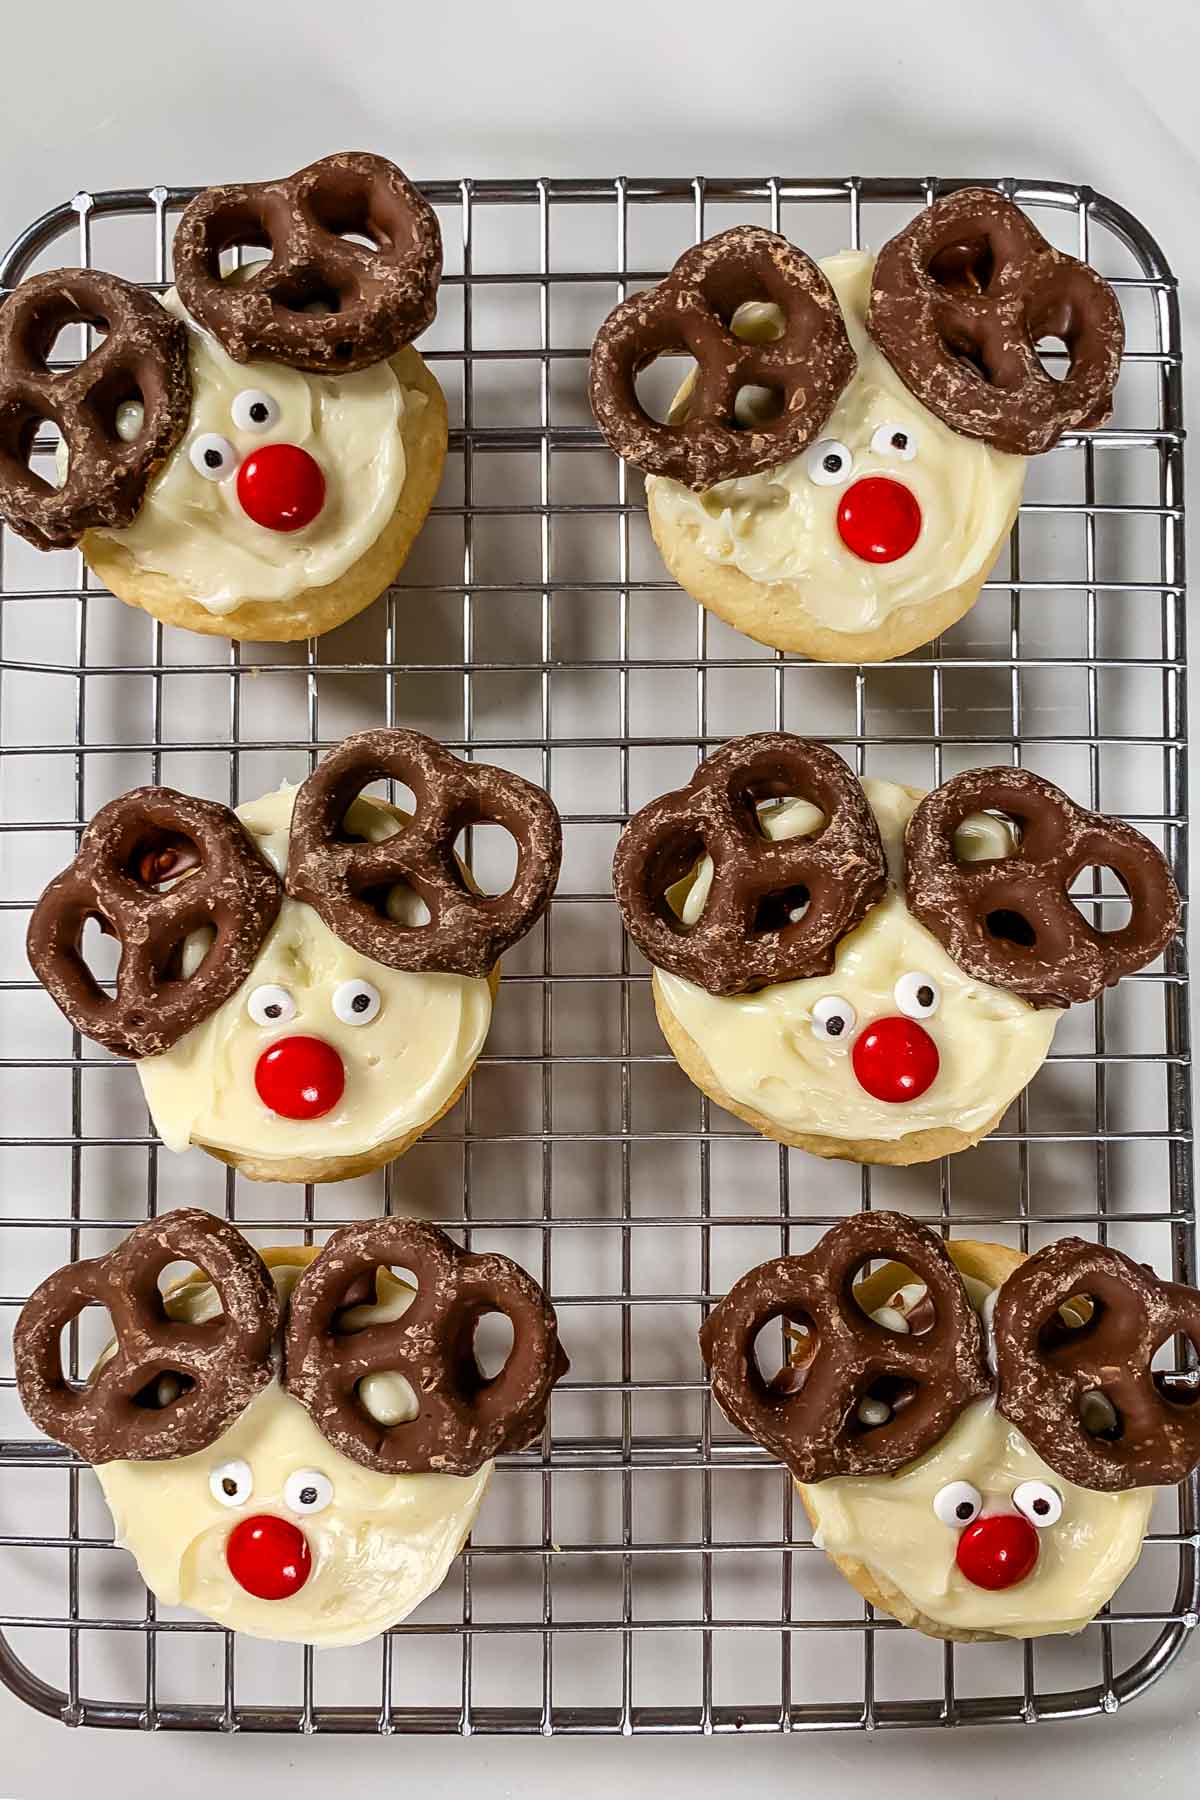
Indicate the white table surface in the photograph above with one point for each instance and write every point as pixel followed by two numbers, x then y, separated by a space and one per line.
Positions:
pixel 125 92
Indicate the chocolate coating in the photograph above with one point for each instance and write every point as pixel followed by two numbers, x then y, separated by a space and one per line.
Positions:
pixel 812 1423
pixel 225 1361
pixel 1045 1369
pixel 370 300
pixel 465 1418
pixel 960 300
pixel 806 367
pixel 216 878
pixel 746 937
pixel 1009 920
pixel 343 878
pixel 143 356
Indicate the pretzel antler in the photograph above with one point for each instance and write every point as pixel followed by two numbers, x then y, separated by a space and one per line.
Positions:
pixel 1010 920
pixel 814 1423
pixel 153 866
pixel 1088 1397
pixel 345 879
pixel 143 357
pixel 464 1417
pixel 776 910
pixel 959 301
pixel 213 1369
pixel 805 367
pixel 322 302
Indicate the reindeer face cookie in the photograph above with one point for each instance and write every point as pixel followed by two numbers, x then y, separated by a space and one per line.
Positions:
pixel 842 965
pixel 248 1507
pixel 257 462
pixel 305 985
pixel 860 517
pixel 909 1450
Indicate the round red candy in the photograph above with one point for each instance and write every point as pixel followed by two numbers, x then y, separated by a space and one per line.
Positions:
pixel 998 1551
pixel 879 519
pixel 895 1059
pixel 281 487
pixel 300 1077
pixel 269 1557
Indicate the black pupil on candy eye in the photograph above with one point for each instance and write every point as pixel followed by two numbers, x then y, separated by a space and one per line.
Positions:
pixel 229 1486
pixel 831 463
pixel 259 412
pixel 924 996
pixel 835 1026
pixel 213 459
pixel 360 1002
pixel 308 1496
pixel 963 1510
pixel 273 1011
pixel 1041 1508
pixel 899 440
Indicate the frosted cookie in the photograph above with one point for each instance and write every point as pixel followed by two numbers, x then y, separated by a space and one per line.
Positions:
pixel 842 469
pixel 252 457
pixel 295 1445
pixel 976 1481
pixel 864 972
pixel 304 985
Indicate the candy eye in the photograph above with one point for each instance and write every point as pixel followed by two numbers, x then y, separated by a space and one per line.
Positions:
pixel 212 456
pixel 828 463
pixel 958 1503
pixel 307 1491
pixel 356 1002
pixel 231 1483
pixel 916 995
pixel 252 410
pixel 1040 1503
pixel 894 440
pixel 833 1017
pixel 271 1005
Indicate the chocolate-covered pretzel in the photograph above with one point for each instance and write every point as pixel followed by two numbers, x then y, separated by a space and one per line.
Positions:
pixel 143 357
pixel 322 302
pixel 813 1423
pixel 1010 920
pixel 214 1368
pixel 153 866
pixel 1048 1370
pixel 805 367
pixel 464 1417
pixel 347 880
pixel 775 910
pixel 960 300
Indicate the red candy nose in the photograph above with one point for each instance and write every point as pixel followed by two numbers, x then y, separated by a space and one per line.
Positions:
pixel 895 1059
pixel 998 1551
pixel 281 487
pixel 269 1557
pixel 878 519
pixel 300 1077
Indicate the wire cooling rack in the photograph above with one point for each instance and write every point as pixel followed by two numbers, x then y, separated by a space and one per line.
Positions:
pixel 645 1569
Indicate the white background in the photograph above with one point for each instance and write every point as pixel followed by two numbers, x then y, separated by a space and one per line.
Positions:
pixel 126 93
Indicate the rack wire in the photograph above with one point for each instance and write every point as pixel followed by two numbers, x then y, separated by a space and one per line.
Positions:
pixel 643 1569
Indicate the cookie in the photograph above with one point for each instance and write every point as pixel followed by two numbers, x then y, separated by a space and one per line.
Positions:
pixel 304 985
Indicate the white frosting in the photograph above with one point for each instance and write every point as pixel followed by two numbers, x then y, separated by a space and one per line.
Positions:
pixel 766 1056
pixel 782 526
pixel 381 1546
pixel 401 1069
pixel 195 530
pixel 888 1523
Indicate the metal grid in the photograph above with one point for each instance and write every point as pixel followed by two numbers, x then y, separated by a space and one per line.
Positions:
pixel 644 1570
